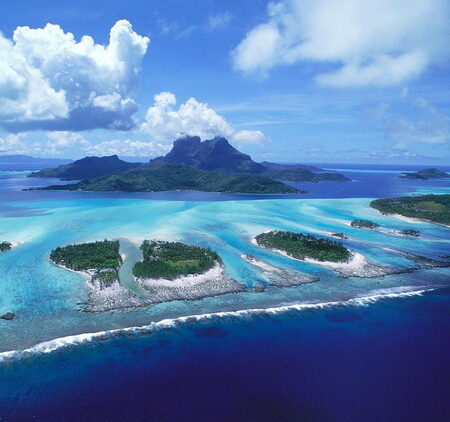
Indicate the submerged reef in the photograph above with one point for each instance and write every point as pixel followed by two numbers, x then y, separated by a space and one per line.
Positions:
pixel 278 277
pixel 8 316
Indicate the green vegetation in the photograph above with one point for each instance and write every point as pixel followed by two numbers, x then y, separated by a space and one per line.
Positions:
pixel 435 208
pixel 87 168
pixel 410 232
pixel 340 235
pixel 101 258
pixel 162 176
pixel 302 175
pixel 5 246
pixel 301 246
pixel 426 174
pixel 219 155
pixel 364 224
pixel 170 260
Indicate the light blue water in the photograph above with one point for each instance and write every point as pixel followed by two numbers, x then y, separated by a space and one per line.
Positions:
pixel 46 299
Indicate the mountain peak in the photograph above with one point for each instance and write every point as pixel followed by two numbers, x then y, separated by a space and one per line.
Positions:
pixel 213 154
pixel 187 140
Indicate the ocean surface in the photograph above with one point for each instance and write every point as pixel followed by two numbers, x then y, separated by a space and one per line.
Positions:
pixel 347 349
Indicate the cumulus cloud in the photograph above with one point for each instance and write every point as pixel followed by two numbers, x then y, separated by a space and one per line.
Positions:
pixel 371 42
pixel 427 125
pixel 73 144
pixel 165 123
pixel 65 139
pixel 50 81
pixel 13 144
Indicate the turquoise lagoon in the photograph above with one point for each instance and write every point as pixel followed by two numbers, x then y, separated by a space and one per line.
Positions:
pixel 48 300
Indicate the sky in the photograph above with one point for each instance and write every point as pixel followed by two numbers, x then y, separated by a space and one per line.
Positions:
pixel 290 80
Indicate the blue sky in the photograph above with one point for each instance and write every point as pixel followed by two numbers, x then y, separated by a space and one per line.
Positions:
pixel 293 80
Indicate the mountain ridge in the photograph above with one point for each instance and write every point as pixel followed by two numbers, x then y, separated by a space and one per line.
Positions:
pixel 219 155
pixel 87 168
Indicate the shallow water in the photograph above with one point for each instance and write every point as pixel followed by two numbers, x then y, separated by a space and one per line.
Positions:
pixel 36 290
pixel 47 299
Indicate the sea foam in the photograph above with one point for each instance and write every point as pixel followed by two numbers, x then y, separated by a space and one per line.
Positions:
pixel 87 338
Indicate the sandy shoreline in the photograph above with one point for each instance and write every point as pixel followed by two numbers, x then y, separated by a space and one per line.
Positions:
pixel 213 282
pixel 183 281
pixel 358 266
pixel 416 220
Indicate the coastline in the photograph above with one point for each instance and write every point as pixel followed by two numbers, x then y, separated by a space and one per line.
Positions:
pixel 300 192
pixel 416 220
pixel 185 280
pixel 211 283
pixel 278 277
pixel 358 266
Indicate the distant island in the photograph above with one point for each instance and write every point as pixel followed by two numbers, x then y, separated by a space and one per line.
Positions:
pixel 364 224
pixel 170 260
pixel 410 232
pixel 5 246
pixel 160 177
pixel 210 166
pixel 339 235
pixel 14 162
pixel 87 168
pixel 301 246
pixel 434 208
pixel 426 174
pixel 101 260
pixel 371 225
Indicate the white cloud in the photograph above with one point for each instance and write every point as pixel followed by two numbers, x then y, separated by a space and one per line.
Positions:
pixel 13 144
pixel 426 125
pixel 165 123
pixel 65 139
pixel 249 137
pixel 127 148
pixel 50 81
pixel 219 21
pixel 182 31
pixel 371 42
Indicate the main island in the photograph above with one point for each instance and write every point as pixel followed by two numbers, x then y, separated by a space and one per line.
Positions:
pixel 210 166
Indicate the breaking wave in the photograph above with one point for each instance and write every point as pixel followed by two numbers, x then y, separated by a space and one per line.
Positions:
pixel 86 338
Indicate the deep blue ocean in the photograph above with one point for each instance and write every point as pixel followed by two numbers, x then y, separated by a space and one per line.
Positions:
pixel 385 362
pixel 386 358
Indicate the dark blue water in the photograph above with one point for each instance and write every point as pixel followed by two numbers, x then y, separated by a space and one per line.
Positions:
pixel 367 181
pixel 386 362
